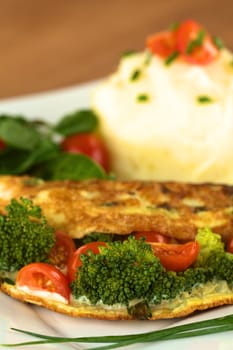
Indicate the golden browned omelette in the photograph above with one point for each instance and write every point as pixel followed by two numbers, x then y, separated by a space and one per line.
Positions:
pixel 121 207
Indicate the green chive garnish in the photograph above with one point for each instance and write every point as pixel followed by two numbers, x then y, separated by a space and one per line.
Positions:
pixel 204 99
pixel 135 75
pixel 128 53
pixel 212 326
pixel 171 58
pixel 143 98
pixel 218 42
pixel 174 26
pixel 196 42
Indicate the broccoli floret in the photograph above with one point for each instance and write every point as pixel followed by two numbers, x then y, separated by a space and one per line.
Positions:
pixel 123 271
pixel 213 257
pixel 209 242
pixel 97 237
pixel 25 236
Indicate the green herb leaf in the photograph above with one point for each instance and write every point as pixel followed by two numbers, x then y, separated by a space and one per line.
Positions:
pixel 77 122
pixel 18 133
pixel 171 58
pixel 70 166
pixel 204 99
pixel 174 26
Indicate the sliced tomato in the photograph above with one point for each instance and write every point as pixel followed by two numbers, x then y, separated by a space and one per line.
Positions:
pixel 2 144
pixel 163 43
pixel 176 257
pixel 229 246
pixel 152 236
pixel 89 144
pixel 75 260
pixel 62 250
pixel 45 277
pixel 202 54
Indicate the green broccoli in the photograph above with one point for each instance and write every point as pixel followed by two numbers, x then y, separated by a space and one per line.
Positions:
pixel 123 271
pixel 25 236
pixel 213 255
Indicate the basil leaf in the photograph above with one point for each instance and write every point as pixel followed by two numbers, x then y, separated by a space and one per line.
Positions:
pixel 18 133
pixel 77 122
pixel 69 166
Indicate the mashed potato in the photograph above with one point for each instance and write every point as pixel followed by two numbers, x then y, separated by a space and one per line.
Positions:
pixel 169 122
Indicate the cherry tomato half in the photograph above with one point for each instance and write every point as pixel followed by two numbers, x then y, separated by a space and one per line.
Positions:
pixel 229 247
pixel 88 144
pixel 202 54
pixel 163 43
pixel 176 257
pixel 62 250
pixel 42 276
pixel 75 261
pixel 2 145
pixel 152 236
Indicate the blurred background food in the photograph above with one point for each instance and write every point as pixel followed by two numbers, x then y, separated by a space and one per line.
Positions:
pixel 57 43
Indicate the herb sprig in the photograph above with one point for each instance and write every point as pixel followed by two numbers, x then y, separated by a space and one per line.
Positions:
pixel 213 326
pixel 33 147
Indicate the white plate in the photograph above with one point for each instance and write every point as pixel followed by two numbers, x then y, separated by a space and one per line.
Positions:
pixel 15 314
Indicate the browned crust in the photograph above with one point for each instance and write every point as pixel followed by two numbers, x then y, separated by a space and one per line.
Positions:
pixel 85 311
pixel 121 207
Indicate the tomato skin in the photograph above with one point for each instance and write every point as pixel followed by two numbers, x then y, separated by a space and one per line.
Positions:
pixel 75 261
pixel 64 247
pixel 89 144
pixel 229 247
pixel 163 43
pixel 176 257
pixel 152 236
pixel 2 145
pixel 203 54
pixel 43 276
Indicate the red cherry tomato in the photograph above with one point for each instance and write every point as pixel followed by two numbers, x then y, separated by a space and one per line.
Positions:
pixel 42 276
pixel 202 54
pixel 2 145
pixel 152 236
pixel 163 43
pixel 176 257
pixel 75 261
pixel 62 250
pixel 229 247
pixel 88 144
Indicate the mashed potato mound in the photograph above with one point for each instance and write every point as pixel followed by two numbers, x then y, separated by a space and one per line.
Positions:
pixel 169 122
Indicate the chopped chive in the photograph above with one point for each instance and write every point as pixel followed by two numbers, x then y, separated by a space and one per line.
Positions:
pixel 196 42
pixel 128 53
pixel 135 75
pixel 218 42
pixel 174 26
pixel 171 58
pixel 204 99
pixel 143 98
pixel 148 58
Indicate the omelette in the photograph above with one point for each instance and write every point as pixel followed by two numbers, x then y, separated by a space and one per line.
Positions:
pixel 176 210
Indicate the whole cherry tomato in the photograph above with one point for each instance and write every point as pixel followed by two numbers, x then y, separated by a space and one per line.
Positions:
pixel 176 257
pixel 75 261
pixel 45 277
pixel 89 144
